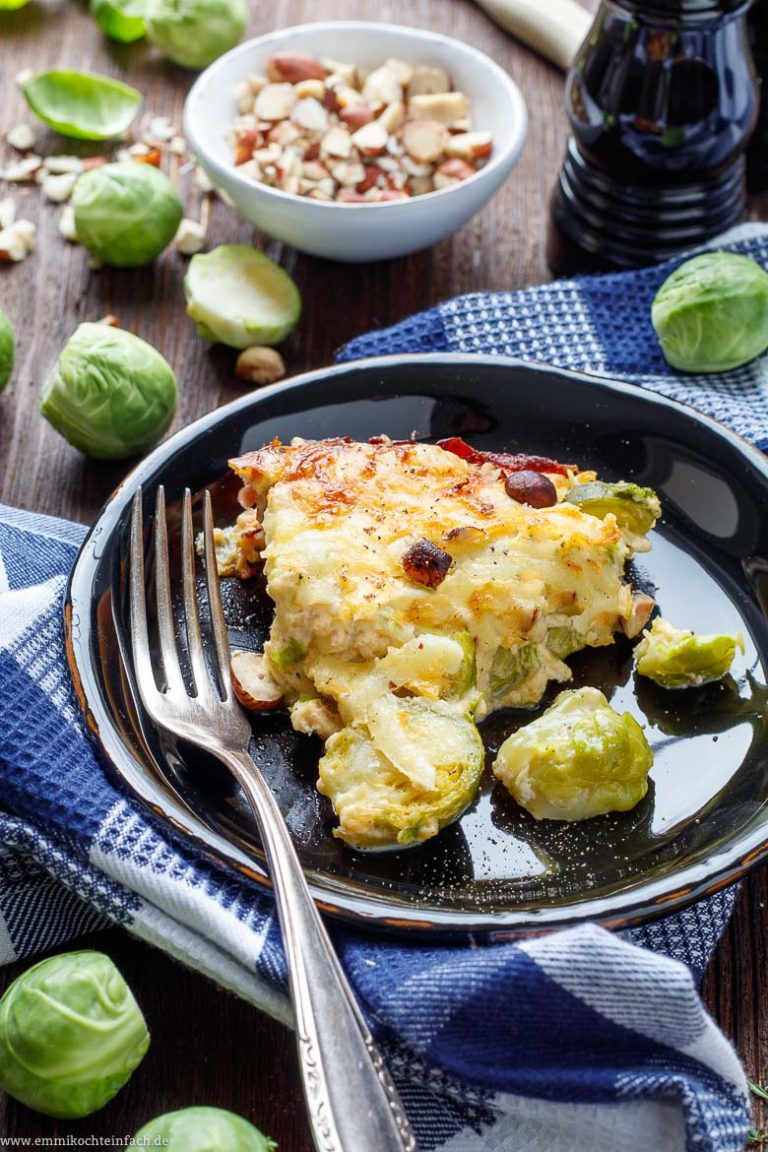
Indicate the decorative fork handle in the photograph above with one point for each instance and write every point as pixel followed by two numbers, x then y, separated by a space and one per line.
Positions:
pixel 353 1104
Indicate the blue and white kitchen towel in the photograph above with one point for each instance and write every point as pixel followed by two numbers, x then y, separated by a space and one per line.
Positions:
pixel 583 1041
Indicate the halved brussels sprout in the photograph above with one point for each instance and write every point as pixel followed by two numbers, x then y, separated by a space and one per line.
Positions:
pixel 110 394
pixel 240 297
pixel 676 658
pixel 202 1130
pixel 379 806
pixel 83 105
pixel 194 33
pixel 578 759
pixel 511 666
pixel 6 349
pixel 125 213
pixel 636 509
pixel 711 314
pixel 71 1034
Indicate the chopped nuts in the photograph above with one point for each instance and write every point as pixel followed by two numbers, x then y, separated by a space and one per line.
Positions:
pixel 260 365
pixel 22 138
pixel 275 102
pixel 253 683
pixel 328 130
pixel 428 81
pixel 425 140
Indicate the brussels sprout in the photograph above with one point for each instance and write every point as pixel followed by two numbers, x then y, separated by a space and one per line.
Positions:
pixel 12 5
pixel 578 759
pixel 71 1034
pixel 6 349
pixel 121 20
pixel 378 805
pixel 290 653
pixel 125 213
pixel 511 666
pixel 83 105
pixel 110 394
pixel 202 1130
pixel 563 640
pixel 194 33
pixel 711 314
pixel 636 509
pixel 240 297
pixel 675 658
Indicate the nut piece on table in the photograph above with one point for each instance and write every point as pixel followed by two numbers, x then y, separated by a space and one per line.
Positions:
pixel 252 682
pixel 190 237
pixel 22 138
pixel 260 365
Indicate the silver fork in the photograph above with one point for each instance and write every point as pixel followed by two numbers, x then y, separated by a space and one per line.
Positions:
pixel 352 1103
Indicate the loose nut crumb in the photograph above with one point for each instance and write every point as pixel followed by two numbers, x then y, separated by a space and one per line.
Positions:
pixel 67 224
pixel 110 320
pixel 260 365
pixel 59 188
pixel 22 138
pixel 190 237
pixel 22 170
pixel 58 165
pixel 7 212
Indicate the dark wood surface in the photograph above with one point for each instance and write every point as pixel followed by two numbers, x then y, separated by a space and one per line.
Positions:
pixel 207 1047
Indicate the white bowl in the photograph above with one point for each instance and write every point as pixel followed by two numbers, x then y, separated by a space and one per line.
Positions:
pixel 358 232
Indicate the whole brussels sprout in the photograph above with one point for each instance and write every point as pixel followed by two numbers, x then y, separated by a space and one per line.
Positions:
pixel 6 349
pixel 194 33
pixel 110 394
pixel 71 1034
pixel 578 759
pixel 202 1130
pixel 711 314
pixel 125 213
pixel 238 296
pixel 377 804
pixel 636 509
pixel 675 658
pixel 121 20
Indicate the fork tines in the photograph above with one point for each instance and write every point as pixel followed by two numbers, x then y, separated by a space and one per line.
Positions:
pixel 174 685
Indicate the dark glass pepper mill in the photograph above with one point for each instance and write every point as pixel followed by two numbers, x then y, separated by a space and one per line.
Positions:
pixel 662 100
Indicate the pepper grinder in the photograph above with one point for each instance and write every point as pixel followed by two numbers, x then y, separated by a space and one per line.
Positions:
pixel 662 100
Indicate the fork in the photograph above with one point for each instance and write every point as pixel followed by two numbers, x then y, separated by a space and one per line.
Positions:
pixel 352 1103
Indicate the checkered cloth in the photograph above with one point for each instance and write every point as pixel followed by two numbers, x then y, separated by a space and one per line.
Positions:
pixel 581 1041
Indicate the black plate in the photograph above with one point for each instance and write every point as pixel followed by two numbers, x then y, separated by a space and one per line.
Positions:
pixel 497 870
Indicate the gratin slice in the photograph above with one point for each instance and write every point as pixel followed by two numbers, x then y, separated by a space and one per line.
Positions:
pixel 401 571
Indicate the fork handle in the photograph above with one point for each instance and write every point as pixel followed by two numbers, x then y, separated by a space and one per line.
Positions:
pixel 353 1104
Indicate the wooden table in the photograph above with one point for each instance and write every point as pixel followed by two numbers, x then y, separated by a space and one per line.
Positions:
pixel 209 1048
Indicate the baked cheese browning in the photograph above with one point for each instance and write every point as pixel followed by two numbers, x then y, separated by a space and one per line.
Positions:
pixel 339 517
pixel 401 571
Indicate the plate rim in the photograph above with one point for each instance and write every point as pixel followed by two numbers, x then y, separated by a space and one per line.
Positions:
pixel 638 904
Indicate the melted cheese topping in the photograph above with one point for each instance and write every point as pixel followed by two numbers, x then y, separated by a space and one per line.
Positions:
pixel 338 517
